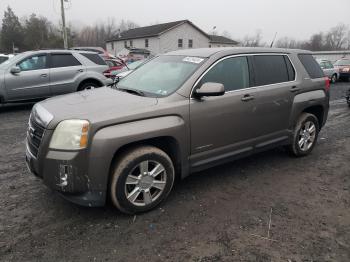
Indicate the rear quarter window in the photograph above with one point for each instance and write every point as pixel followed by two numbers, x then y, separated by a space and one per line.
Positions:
pixel 311 66
pixel 95 58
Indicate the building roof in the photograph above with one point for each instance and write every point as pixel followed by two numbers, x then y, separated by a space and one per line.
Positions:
pixel 218 39
pixel 151 31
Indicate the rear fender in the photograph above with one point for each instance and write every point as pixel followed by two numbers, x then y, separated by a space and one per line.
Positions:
pixel 307 100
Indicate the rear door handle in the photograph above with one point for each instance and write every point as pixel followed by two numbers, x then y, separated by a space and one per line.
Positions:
pixel 247 97
pixel 43 75
pixel 80 70
pixel 294 89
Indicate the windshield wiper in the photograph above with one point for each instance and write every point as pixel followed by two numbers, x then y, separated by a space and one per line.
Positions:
pixel 131 91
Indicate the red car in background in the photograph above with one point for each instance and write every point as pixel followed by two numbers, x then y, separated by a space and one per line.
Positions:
pixel 344 68
pixel 115 65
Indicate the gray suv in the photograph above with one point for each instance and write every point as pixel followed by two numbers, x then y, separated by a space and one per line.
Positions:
pixel 179 113
pixel 41 74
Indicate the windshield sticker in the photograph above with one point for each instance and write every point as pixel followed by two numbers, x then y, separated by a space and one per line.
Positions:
pixel 195 60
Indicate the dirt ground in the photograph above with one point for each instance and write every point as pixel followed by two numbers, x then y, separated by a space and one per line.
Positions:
pixel 222 214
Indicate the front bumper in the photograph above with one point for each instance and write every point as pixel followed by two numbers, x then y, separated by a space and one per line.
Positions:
pixel 344 74
pixel 66 173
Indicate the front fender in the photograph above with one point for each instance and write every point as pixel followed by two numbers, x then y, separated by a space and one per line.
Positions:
pixel 108 140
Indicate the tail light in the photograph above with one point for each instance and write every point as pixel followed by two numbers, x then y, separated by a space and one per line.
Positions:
pixel 328 83
pixel 107 73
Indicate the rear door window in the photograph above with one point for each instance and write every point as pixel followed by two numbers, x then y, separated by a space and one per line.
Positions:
pixel 232 72
pixel 272 69
pixel 63 60
pixel 311 66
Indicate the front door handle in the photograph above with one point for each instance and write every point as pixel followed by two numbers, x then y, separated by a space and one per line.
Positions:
pixel 294 89
pixel 43 75
pixel 247 97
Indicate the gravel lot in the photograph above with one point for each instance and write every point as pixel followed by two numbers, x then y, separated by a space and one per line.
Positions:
pixel 221 214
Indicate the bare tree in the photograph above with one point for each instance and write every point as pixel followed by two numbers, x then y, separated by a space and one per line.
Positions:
pixel 97 34
pixel 226 34
pixel 316 43
pixel 337 37
pixel 254 40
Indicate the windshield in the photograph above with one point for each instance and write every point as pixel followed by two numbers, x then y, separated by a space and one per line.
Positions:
pixel 136 64
pixel 343 62
pixel 162 75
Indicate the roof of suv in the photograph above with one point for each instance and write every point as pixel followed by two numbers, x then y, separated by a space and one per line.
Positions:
pixel 207 52
pixel 59 51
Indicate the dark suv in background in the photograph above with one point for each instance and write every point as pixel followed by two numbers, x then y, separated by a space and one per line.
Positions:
pixel 41 74
pixel 179 113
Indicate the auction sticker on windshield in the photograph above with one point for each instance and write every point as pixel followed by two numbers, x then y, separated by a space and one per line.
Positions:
pixel 191 59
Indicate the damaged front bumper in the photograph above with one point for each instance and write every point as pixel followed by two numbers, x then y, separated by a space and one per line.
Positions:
pixel 66 172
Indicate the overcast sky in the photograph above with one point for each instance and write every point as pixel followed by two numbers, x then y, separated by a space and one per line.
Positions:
pixel 294 18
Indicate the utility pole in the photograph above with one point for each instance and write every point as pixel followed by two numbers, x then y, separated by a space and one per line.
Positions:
pixel 65 40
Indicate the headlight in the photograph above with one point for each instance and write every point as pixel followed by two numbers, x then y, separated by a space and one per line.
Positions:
pixel 346 69
pixel 70 135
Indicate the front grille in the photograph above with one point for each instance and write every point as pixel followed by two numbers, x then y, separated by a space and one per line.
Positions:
pixel 35 134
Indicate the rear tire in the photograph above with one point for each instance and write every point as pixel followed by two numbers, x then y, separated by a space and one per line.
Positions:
pixel 334 78
pixel 304 136
pixel 142 178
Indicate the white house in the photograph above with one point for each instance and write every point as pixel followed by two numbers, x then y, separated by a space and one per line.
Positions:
pixel 166 37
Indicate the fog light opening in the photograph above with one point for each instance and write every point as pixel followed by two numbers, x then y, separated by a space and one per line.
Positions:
pixel 63 175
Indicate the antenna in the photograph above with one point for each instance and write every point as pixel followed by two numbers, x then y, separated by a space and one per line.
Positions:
pixel 273 40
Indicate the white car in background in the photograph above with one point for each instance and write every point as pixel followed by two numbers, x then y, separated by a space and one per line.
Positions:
pixel 329 70
pixel 4 57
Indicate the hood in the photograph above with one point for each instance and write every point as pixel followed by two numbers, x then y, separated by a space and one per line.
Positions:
pixel 124 74
pixel 97 105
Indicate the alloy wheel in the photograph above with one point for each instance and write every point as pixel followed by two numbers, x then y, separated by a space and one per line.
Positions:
pixel 145 183
pixel 307 135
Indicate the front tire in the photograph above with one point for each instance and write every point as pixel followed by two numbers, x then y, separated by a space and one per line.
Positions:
pixel 305 135
pixel 88 86
pixel 142 178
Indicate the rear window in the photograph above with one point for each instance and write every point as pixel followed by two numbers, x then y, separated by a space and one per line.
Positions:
pixel 311 66
pixel 272 69
pixel 63 60
pixel 95 58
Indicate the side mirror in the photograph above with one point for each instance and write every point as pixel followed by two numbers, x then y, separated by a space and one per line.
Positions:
pixel 210 89
pixel 15 70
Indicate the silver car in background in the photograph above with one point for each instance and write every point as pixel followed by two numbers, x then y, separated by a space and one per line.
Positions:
pixel 41 74
pixel 329 70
